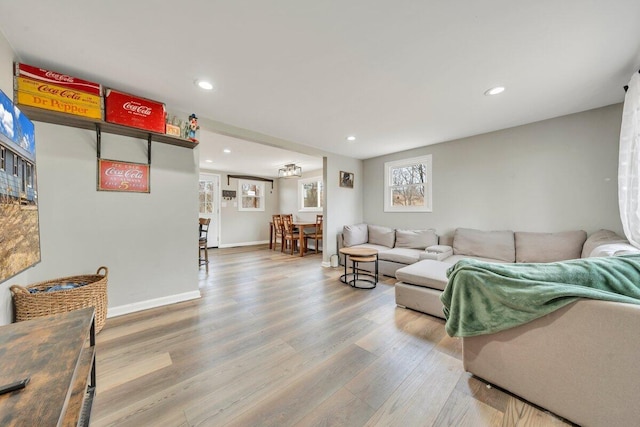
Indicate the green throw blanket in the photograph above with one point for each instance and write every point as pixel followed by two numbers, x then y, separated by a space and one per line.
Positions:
pixel 483 298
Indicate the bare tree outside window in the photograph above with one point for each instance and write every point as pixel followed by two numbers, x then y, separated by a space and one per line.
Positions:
pixel 310 194
pixel 408 185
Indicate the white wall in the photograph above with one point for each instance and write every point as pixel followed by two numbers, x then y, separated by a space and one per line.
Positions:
pixel 241 228
pixel 343 206
pixel 146 240
pixel 554 175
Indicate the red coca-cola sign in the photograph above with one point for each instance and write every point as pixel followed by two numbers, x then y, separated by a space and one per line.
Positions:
pixel 123 176
pixel 129 110
pixel 60 79
pixel 64 93
pixel 137 108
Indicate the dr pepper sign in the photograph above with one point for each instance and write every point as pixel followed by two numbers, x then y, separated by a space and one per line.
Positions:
pixel 123 176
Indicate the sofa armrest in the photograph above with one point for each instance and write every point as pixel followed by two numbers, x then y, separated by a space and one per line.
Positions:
pixel 574 361
pixel 437 252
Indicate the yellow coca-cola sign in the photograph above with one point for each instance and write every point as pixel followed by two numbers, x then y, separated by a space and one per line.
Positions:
pixel 50 90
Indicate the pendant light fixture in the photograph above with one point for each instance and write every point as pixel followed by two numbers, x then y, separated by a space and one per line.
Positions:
pixel 290 171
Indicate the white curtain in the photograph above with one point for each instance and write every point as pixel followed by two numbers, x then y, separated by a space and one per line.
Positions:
pixel 629 163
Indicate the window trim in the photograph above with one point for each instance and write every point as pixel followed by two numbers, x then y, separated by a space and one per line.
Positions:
pixel 428 206
pixel 301 183
pixel 262 198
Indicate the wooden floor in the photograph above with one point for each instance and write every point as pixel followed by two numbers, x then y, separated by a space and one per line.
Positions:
pixel 277 340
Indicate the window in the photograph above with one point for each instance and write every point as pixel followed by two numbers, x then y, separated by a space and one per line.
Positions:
pixel 206 197
pixel 407 185
pixel 3 158
pixel 251 195
pixel 15 165
pixel 29 175
pixel 310 194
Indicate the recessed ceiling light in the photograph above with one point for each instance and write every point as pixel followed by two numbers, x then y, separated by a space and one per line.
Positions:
pixel 209 161
pixel 203 84
pixel 351 138
pixel 226 150
pixel 494 90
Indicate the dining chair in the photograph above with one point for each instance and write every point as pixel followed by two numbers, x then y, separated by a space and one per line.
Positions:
pixel 277 232
pixel 203 253
pixel 314 233
pixel 290 217
pixel 290 235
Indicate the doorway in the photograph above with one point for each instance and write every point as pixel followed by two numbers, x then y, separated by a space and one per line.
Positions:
pixel 209 197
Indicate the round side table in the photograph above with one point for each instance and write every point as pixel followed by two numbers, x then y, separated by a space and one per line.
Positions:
pixel 359 255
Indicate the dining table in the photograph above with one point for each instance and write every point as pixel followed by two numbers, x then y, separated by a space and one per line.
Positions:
pixel 300 225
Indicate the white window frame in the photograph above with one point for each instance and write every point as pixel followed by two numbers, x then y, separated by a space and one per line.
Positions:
pixel 301 183
pixel 262 198
pixel 428 202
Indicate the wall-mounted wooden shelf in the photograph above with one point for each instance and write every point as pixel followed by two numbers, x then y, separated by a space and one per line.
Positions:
pixel 40 115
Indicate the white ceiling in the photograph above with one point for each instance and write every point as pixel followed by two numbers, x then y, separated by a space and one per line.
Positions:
pixel 396 74
pixel 249 158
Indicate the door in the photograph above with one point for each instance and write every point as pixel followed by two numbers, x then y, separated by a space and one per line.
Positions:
pixel 210 206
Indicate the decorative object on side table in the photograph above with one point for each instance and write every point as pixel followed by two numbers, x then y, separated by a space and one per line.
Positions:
pixel 346 179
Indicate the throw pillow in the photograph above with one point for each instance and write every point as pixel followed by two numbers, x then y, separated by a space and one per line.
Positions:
pixel 598 238
pixel 416 239
pixel 384 236
pixel 355 234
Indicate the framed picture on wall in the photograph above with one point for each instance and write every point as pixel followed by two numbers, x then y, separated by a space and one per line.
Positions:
pixel 346 179
pixel 19 225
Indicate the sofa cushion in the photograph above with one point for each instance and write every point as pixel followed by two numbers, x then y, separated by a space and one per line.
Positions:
pixel 497 245
pixel 426 273
pixel 416 239
pixel 355 234
pixel 549 247
pixel 455 258
pixel 400 255
pixel 384 236
pixel 598 238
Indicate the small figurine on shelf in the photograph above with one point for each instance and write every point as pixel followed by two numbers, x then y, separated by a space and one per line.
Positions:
pixel 193 127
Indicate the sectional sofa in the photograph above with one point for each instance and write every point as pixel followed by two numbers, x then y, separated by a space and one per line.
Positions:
pixel 580 361
pixel 396 248
pixel 419 259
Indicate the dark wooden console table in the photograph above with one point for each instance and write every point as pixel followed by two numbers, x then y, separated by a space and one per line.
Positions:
pixel 58 354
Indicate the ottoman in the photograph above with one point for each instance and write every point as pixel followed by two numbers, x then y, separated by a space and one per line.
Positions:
pixel 420 286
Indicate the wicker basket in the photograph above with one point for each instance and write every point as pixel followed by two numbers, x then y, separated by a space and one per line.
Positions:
pixel 93 294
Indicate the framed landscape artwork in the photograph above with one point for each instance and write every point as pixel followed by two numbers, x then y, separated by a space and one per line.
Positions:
pixel 19 226
pixel 346 179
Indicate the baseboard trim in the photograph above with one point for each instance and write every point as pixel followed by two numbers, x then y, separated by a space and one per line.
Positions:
pixel 151 303
pixel 235 245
